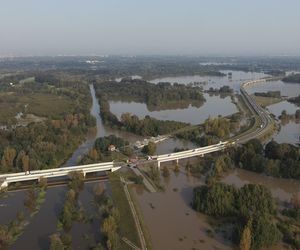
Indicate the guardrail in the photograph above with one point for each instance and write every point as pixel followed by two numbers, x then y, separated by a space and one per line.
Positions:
pixel 56 172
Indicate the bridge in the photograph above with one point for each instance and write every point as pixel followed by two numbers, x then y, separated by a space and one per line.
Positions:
pixel 263 118
pixel 6 179
pixel 190 153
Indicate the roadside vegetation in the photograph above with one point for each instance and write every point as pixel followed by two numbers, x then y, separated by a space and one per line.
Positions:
pixel 279 160
pixel 212 130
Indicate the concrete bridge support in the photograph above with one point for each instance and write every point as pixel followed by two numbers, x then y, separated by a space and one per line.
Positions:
pixel 3 185
pixel 115 169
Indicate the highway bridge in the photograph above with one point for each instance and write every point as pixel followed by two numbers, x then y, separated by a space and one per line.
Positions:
pixel 6 179
pixel 263 118
pixel 190 153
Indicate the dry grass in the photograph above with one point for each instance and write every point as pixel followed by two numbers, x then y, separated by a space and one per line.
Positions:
pixel 266 101
pixel 39 104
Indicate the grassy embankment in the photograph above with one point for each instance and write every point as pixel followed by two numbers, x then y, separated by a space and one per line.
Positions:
pixel 127 225
pixel 266 101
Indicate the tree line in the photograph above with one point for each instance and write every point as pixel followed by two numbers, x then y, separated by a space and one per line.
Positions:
pixel 156 96
pixel 251 208
pixel 279 160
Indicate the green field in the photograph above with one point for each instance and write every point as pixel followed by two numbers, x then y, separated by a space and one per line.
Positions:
pixel 127 226
pixel 39 104
pixel 266 101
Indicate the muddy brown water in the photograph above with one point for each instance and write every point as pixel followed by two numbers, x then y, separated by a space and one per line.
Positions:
pixel 173 224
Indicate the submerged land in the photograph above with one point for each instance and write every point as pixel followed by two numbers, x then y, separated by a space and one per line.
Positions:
pixel 67 111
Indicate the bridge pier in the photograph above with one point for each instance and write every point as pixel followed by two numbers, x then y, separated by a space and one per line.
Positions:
pixel 158 164
pixel 115 169
pixel 4 185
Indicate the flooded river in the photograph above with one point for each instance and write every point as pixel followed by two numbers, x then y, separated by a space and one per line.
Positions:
pixel 173 224
pixel 215 81
pixel 171 221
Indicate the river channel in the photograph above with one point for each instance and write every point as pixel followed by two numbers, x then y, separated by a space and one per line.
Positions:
pixel 171 221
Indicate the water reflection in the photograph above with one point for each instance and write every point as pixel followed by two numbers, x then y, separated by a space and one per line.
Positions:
pixel 213 107
pixel 289 133
pixel 277 108
pixel 43 224
pixel 215 81
pixel 286 89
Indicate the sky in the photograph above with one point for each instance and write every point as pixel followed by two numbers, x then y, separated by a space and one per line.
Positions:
pixel 149 27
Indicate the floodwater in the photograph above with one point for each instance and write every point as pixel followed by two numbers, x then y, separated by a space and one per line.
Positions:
pixel 101 131
pixel 277 108
pixel 286 89
pixel 171 221
pixel 169 145
pixel 43 224
pixel 213 107
pixel 215 81
pixel 10 205
pixel 289 132
pixel 281 189
pixel 173 224
pixel 86 235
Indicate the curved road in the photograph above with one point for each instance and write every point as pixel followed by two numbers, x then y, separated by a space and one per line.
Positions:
pixel 262 123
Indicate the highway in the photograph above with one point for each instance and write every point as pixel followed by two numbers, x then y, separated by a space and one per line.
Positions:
pixel 259 128
pixel 5 179
pixel 190 153
pixel 262 118
pixel 265 119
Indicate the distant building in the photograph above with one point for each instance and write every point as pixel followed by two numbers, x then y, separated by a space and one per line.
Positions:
pixel 111 148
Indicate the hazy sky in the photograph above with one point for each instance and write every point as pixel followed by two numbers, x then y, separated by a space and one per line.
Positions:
pixel 211 27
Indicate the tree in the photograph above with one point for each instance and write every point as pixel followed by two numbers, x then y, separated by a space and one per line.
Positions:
pixel 8 157
pixel 245 242
pixel 222 163
pixel 43 183
pixel 56 243
pixel 150 149
pixel 264 233
pixel 25 163
pixel 30 200
pixel 297 114
pixel 93 154
pixel 255 199
pixel 176 169
pixel 166 172
pixel 217 199
pixel 109 228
